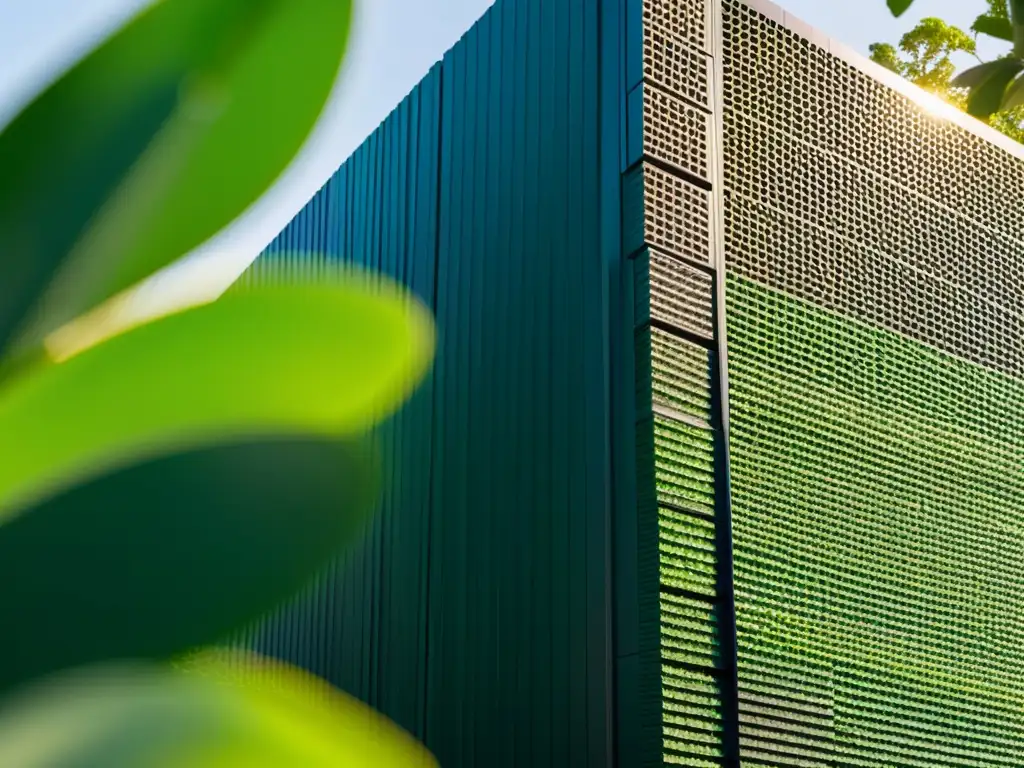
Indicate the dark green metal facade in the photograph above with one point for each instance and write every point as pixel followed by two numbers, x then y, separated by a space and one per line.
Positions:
pixel 720 459
pixel 477 612
pixel 364 627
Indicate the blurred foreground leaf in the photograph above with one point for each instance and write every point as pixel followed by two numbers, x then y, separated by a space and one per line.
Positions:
pixel 174 553
pixel 153 143
pixel 989 84
pixel 999 27
pixel 1015 94
pixel 330 358
pixel 229 715
pixel 899 7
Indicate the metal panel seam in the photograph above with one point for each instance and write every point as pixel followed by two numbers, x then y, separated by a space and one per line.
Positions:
pixel 723 495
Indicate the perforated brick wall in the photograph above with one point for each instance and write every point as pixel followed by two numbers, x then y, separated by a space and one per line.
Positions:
pixel 673 182
pixel 871 257
pixel 874 300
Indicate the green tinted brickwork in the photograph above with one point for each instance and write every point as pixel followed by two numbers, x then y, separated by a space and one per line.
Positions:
pixel 692 701
pixel 684 466
pixel 679 373
pixel 673 378
pixel 687 549
pixel 878 512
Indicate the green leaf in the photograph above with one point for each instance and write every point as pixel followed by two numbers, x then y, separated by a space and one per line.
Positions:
pixel 233 714
pixel 175 552
pixel 994 26
pixel 975 76
pixel 987 97
pixel 152 144
pixel 330 358
pixel 899 7
pixel 1014 94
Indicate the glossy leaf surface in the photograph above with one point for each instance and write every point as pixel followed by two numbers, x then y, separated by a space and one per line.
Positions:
pixel 175 552
pixel 233 713
pixel 330 358
pixel 152 144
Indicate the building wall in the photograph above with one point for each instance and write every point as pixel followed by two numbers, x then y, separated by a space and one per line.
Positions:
pixel 365 625
pixel 875 254
pixel 674 181
pixel 721 456
pixel 868 262
pixel 477 611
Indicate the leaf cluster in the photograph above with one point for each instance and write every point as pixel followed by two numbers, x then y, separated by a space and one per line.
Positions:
pixel 992 91
pixel 166 481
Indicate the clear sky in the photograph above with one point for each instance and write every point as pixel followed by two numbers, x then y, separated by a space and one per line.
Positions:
pixel 396 42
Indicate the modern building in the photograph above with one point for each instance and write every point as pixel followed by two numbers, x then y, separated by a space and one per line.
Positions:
pixel 722 457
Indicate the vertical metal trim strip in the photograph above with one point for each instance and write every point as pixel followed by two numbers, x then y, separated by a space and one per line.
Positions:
pixel 720 401
pixel 610 92
pixel 427 588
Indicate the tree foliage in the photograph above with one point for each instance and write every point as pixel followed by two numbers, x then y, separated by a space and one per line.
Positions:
pixel 925 55
pixel 991 91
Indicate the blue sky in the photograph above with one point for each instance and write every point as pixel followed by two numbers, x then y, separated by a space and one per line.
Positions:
pixel 396 42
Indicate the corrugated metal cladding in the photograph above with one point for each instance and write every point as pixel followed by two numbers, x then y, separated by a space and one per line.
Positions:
pixel 365 625
pixel 477 612
pixel 608 535
pixel 875 256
